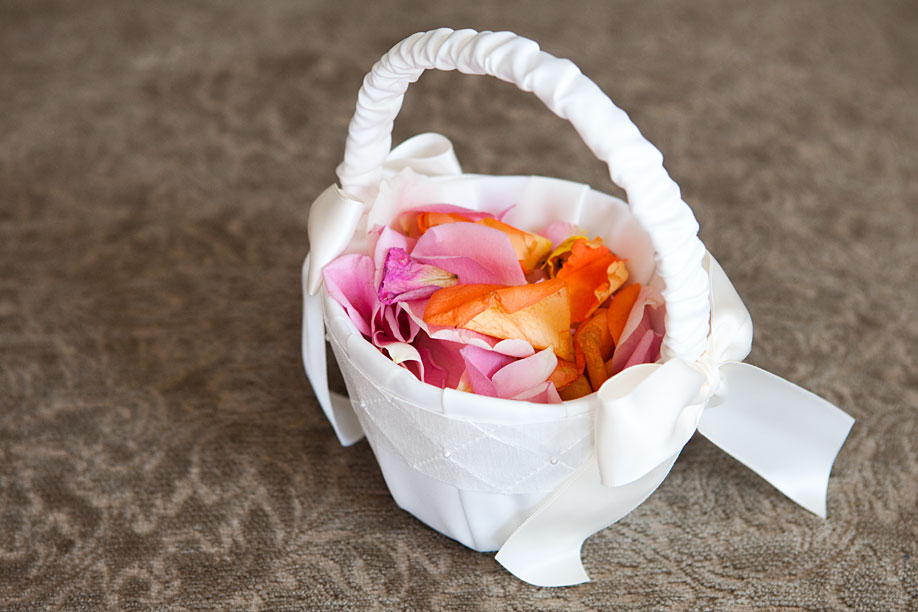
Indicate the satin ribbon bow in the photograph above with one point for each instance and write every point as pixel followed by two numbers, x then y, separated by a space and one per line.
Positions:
pixel 644 416
pixel 333 220
pixel 647 413
pixel 335 214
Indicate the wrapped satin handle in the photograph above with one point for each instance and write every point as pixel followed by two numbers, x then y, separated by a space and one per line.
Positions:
pixel 634 163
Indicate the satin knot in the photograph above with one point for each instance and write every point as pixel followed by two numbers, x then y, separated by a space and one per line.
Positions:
pixel 710 368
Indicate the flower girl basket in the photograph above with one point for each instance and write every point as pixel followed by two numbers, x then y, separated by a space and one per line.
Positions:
pixel 533 481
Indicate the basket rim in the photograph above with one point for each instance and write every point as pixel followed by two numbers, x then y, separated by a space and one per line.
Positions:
pixel 336 318
pixel 497 410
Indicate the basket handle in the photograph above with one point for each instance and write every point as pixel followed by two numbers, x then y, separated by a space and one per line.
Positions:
pixel 634 163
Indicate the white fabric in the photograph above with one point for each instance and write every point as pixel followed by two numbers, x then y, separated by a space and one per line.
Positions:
pixel 336 407
pixel 477 443
pixel 493 473
pixel 536 480
pixel 634 163
pixel 784 433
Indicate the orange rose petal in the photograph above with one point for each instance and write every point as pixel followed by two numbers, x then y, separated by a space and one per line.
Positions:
pixel 620 308
pixel 579 388
pixel 565 373
pixel 427 220
pixel 544 322
pixel 592 273
pixel 538 313
pixel 457 305
pixel 530 249
pixel 557 257
pixel 593 346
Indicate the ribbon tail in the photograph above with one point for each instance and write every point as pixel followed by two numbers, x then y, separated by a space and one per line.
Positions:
pixel 784 433
pixel 337 408
pixel 333 217
pixel 545 549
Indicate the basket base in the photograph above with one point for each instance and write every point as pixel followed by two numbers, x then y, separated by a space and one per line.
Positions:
pixel 480 520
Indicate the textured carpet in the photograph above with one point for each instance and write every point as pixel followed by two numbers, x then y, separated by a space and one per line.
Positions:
pixel 160 447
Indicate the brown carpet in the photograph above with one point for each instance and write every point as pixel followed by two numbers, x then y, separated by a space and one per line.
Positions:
pixel 160 447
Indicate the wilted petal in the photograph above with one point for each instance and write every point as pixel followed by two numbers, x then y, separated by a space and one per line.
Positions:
pixel 402 352
pixel 406 279
pixel 386 240
pixel 593 346
pixel 592 273
pixel 475 253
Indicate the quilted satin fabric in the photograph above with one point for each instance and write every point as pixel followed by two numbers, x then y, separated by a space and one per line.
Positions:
pixel 160 447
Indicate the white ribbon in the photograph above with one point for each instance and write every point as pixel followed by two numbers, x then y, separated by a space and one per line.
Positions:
pixel 333 220
pixel 646 415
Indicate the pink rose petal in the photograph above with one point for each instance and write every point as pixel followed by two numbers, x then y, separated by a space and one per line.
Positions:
pixel 442 362
pixel 388 239
pixel 524 375
pixel 543 394
pixel 349 281
pixel 559 231
pixel 475 253
pixel 407 279
pixel 643 333
pixel 391 324
pixel 646 350
pixel 481 365
pixel 514 347
pixel 468 213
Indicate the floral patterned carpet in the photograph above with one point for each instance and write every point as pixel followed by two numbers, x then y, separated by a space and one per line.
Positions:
pixel 160 447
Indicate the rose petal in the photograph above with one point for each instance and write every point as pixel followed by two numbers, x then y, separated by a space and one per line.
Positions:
pixel 514 347
pixel 386 240
pixel 647 349
pixel 523 375
pixel 593 345
pixel 651 298
pixel 620 310
pixel 576 389
pixel 442 361
pixel 416 221
pixel 349 281
pixel 475 253
pixel 559 231
pixel 391 324
pixel 546 393
pixel 406 279
pixel 636 346
pixel 500 376
pixel 538 313
pixel 531 249
pixel 592 273
pixel 565 373
pixel 481 365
